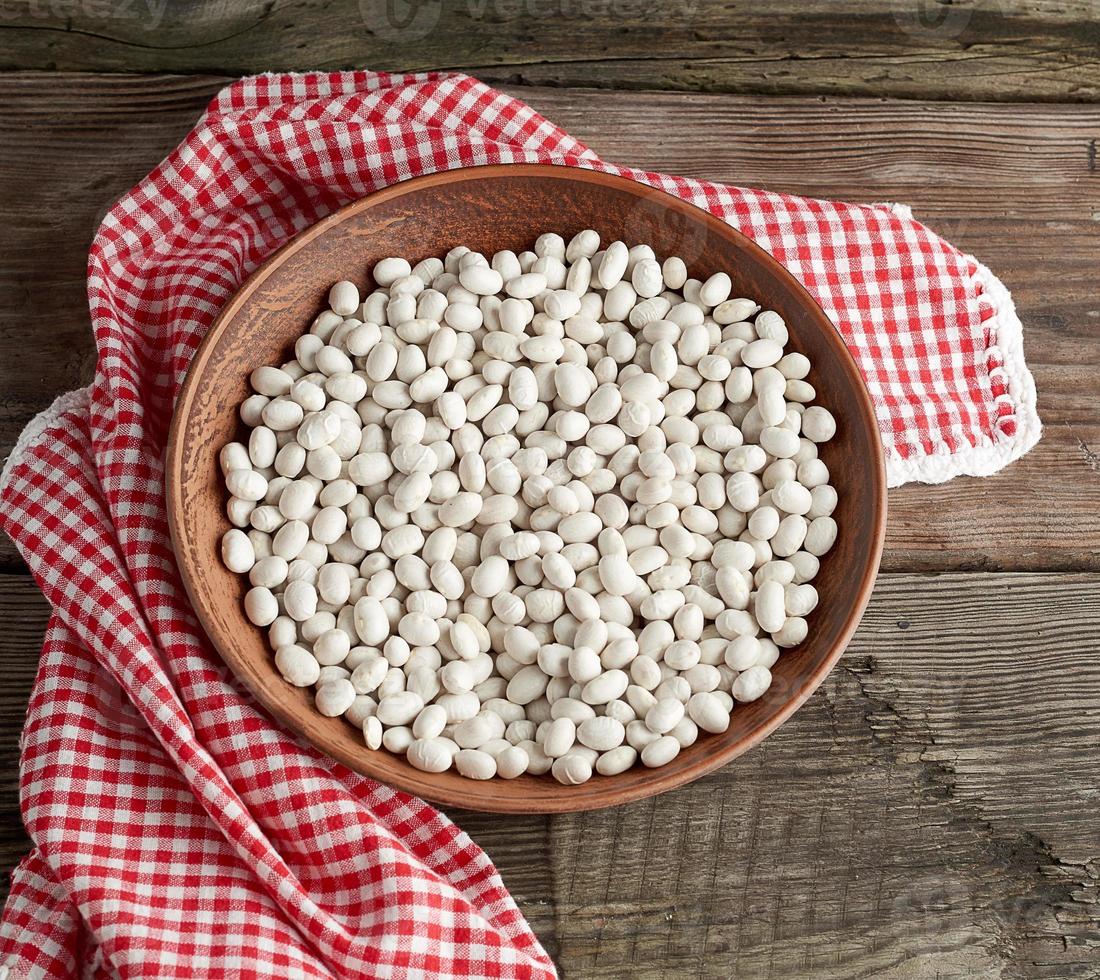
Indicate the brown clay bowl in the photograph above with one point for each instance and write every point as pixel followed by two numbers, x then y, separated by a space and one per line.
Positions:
pixel 492 208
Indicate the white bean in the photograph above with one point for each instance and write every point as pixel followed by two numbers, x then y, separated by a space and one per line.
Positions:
pixel 660 752
pixel 707 712
pixel 238 554
pixel 572 769
pixel 820 536
pixel 297 665
pixel 335 697
pixel 751 684
pixel 429 755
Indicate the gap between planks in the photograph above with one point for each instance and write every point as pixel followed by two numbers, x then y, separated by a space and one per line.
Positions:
pixel 1043 50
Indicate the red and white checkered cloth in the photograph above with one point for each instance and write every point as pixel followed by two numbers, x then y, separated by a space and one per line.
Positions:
pixel 178 831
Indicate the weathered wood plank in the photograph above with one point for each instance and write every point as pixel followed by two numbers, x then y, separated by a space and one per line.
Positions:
pixel 1014 184
pixel 930 812
pixel 1040 50
pixel 932 808
pixel 99 147
pixel 24 612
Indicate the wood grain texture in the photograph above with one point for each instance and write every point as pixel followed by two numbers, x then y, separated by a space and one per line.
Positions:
pixel 1017 185
pixel 930 811
pixel 908 822
pixel 973 49
pixel 24 612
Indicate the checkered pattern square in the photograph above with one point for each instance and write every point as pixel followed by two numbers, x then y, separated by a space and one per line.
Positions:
pixel 177 831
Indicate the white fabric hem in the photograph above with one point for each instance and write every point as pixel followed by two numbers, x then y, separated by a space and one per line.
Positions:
pixel 67 402
pixel 993 454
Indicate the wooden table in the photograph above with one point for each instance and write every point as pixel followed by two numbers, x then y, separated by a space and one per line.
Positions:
pixel 933 810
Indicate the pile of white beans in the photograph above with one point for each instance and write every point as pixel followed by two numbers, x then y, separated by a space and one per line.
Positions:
pixel 554 511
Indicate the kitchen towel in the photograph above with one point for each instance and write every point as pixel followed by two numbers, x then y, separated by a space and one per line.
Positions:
pixel 177 831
